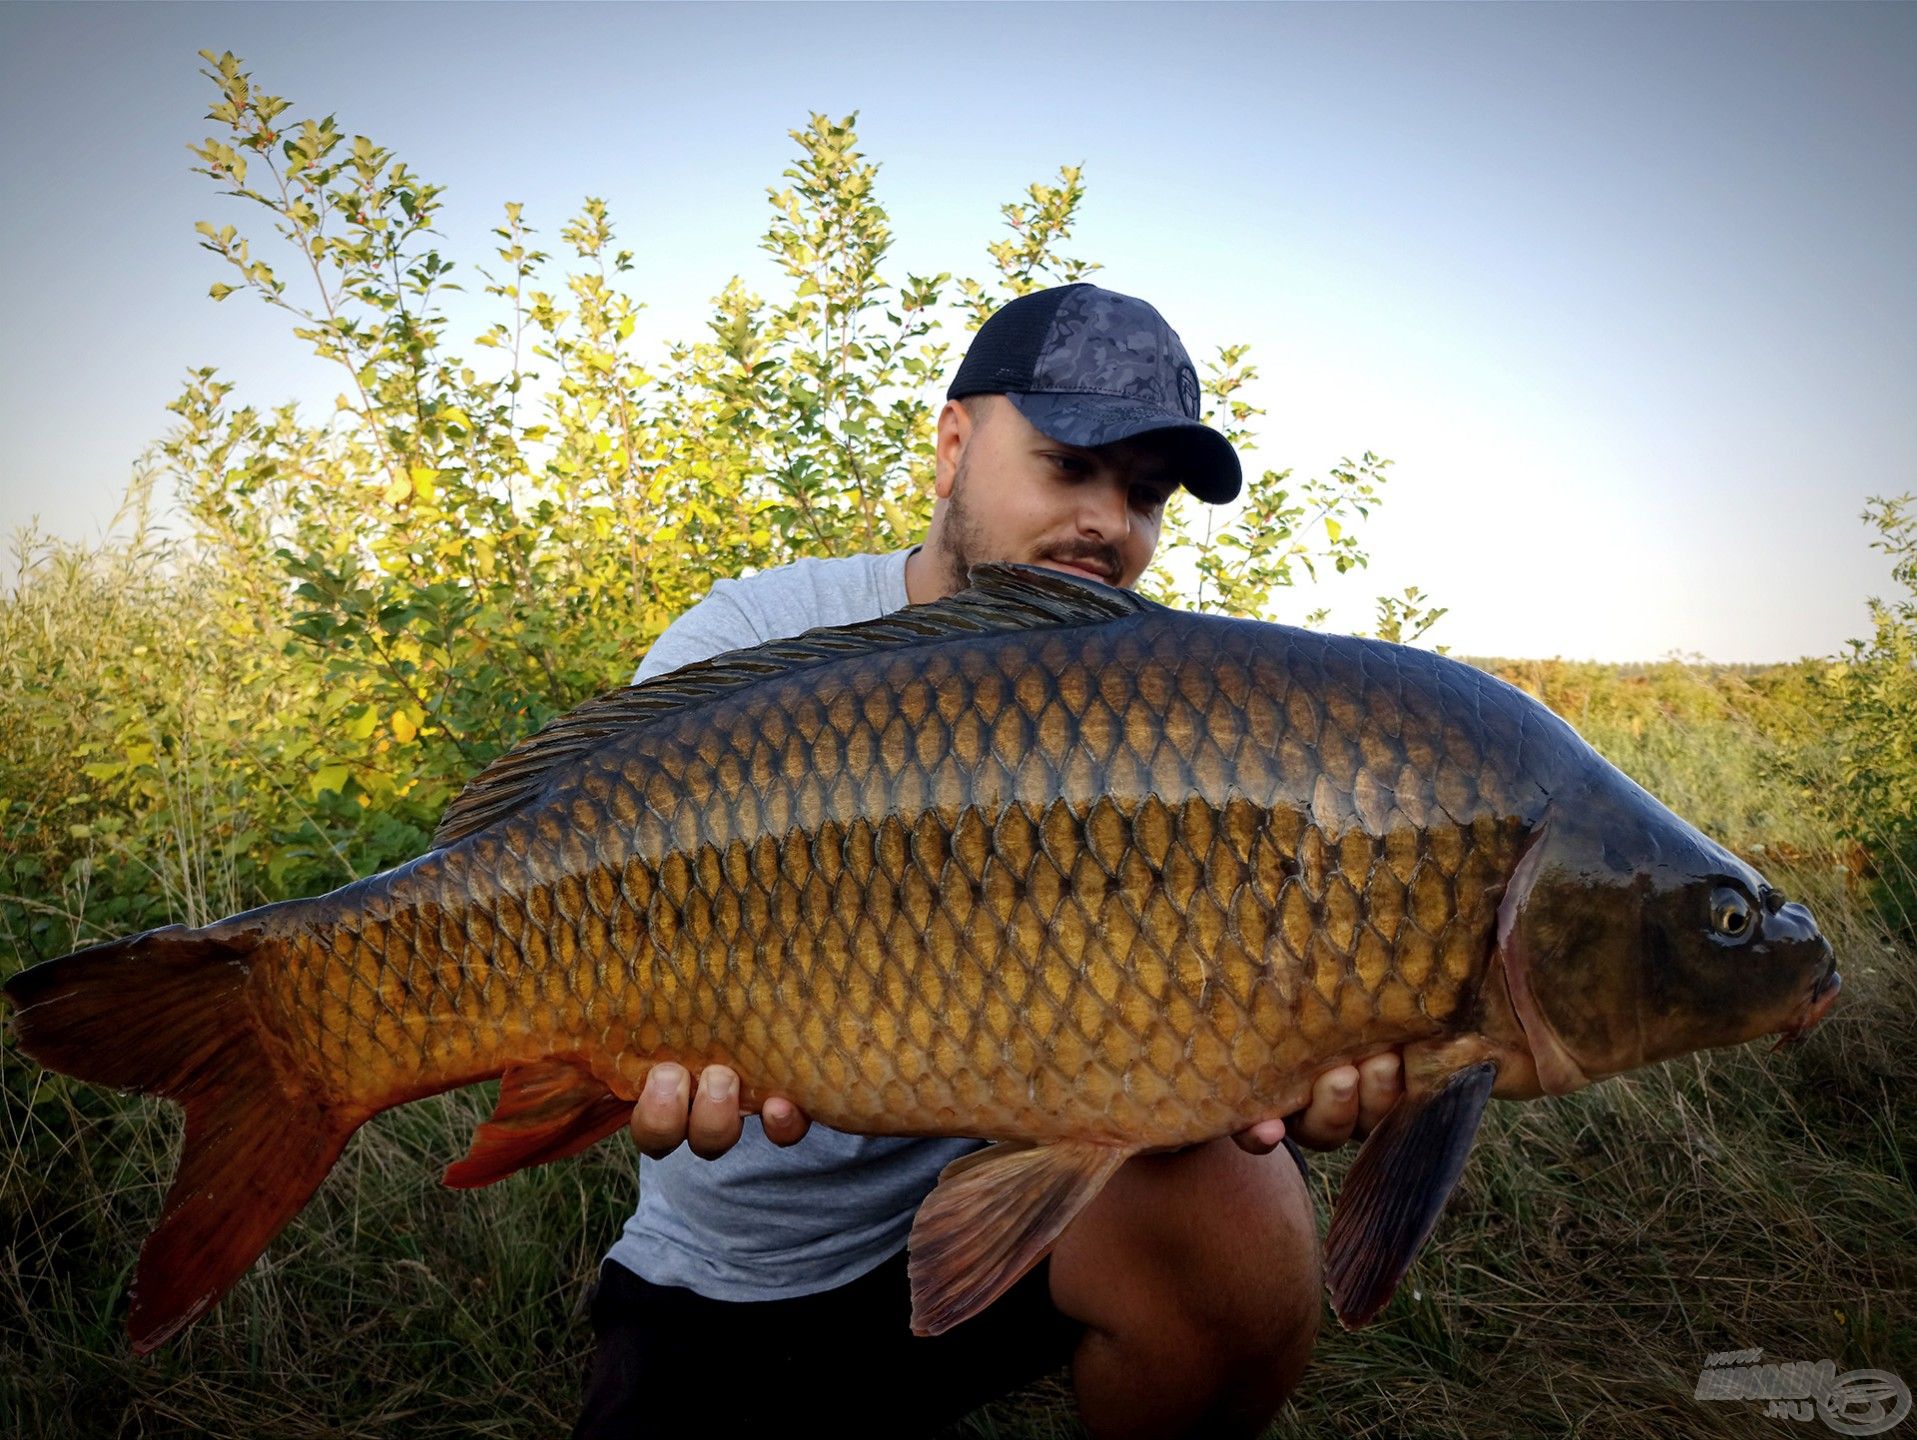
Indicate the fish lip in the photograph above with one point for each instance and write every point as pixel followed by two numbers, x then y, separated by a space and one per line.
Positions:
pixel 1817 1005
pixel 1829 982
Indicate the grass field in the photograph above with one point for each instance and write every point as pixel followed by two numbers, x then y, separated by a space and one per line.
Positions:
pixel 1599 1248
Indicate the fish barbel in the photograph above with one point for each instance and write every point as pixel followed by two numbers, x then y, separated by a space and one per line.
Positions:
pixel 1044 863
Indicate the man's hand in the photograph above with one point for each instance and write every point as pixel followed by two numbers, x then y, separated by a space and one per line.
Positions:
pixel 1345 1102
pixel 668 1113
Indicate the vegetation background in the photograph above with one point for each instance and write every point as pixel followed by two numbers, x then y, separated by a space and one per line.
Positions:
pixel 308 631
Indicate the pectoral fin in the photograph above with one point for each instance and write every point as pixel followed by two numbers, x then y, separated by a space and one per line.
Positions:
pixel 992 1217
pixel 1396 1190
pixel 547 1110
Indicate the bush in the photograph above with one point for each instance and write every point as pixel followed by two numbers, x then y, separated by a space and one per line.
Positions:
pixel 1867 701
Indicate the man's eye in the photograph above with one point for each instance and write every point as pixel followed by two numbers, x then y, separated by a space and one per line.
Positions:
pixel 1068 462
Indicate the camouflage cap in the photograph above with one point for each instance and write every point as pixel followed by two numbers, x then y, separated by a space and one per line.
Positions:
pixel 1088 366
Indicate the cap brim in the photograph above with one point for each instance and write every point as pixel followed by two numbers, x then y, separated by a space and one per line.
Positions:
pixel 1208 466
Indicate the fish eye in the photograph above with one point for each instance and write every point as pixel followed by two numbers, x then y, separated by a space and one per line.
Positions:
pixel 1731 913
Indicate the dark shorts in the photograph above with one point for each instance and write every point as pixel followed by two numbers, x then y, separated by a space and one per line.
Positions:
pixel 672 1362
pixel 667 1357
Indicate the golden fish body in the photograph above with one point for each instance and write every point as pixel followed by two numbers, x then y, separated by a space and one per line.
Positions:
pixel 1141 882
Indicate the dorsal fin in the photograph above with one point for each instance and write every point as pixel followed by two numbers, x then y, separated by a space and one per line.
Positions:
pixel 1001 597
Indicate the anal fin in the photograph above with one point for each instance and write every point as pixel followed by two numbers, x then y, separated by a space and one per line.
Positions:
pixel 1397 1188
pixel 547 1110
pixel 993 1216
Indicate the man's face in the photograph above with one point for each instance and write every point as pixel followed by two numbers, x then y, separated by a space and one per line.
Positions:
pixel 1009 492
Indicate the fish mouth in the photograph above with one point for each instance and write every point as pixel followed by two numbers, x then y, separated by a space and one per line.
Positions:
pixel 1823 995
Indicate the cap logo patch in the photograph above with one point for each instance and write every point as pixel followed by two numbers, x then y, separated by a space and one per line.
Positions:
pixel 1188 391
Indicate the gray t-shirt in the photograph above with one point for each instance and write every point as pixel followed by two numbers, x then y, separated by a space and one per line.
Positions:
pixel 761 1222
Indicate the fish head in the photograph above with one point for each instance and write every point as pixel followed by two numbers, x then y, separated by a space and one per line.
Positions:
pixel 1627 936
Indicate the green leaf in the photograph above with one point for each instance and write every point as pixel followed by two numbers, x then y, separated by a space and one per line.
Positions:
pixel 331 777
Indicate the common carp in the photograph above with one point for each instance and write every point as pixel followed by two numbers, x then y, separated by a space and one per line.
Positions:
pixel 1043 863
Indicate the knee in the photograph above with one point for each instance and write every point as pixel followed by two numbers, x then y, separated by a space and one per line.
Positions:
pixel 1203 1294
pixel 1256 1297
pixel 1250 1308
pixel 1264 1349
pixel 1243 1241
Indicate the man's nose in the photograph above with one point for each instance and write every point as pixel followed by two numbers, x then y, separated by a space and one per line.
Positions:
pixel 1102 511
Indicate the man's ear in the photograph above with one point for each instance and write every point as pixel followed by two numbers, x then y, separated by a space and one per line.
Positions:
pixel 955 432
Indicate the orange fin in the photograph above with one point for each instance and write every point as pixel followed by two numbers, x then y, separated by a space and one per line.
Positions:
pixel 1397 1188
pixel 993 1216
pixel 547 1110
pixel 167 1013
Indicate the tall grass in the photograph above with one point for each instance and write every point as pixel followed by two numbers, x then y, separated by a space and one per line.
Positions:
pixel 1600 1245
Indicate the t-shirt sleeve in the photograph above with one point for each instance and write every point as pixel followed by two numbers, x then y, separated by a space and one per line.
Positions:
pixel 712 627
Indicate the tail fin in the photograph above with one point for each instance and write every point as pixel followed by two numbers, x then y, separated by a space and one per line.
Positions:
pixel 166 1013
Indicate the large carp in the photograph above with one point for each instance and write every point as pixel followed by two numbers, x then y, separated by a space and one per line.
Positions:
pixel 1043 863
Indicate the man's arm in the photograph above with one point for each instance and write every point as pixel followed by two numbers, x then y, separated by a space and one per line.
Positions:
pixel 712 627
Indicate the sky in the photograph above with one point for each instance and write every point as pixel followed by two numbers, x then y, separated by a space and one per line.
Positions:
pixel 1626 293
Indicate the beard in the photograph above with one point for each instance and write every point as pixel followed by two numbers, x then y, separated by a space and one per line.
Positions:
pixel 963 543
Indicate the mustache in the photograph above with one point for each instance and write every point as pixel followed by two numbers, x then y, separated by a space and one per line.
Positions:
pixel 1091 555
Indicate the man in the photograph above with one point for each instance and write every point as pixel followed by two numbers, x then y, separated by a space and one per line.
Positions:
pixel 763 1275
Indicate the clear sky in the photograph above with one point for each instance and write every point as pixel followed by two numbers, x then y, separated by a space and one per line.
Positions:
pixel 1627 292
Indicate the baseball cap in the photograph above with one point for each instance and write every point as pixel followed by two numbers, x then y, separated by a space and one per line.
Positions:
pixel 1087 366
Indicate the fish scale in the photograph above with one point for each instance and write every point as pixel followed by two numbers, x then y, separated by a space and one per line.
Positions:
pixel 1042 863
